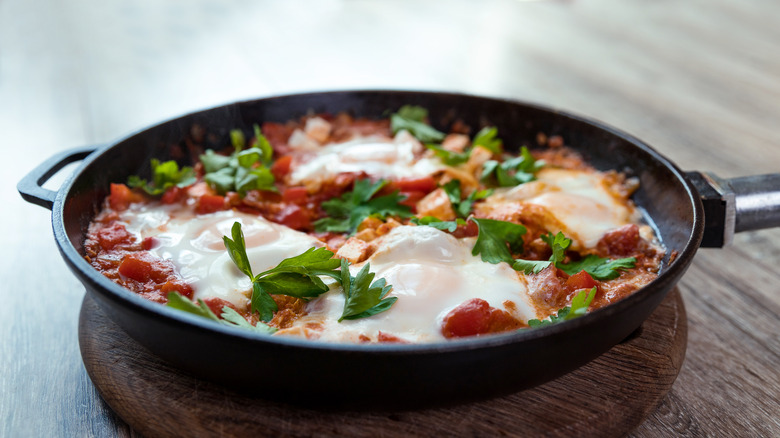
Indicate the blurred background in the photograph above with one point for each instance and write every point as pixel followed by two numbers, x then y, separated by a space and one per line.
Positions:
pixel 698 80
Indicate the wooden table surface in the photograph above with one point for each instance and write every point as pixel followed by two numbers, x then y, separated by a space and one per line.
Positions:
pixel 699 80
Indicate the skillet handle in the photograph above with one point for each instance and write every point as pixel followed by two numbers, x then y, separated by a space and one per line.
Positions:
pixel 738 204
pixel 31 186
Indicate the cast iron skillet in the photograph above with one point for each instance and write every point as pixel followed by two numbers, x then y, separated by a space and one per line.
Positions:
pixel 393 376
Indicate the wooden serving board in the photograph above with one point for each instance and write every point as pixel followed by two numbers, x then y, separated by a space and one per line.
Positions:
pixel 610 396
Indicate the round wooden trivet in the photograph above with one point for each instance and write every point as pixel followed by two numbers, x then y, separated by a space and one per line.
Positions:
pixel 607 397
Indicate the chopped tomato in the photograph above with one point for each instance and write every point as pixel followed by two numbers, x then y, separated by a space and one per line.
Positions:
pixel 114 235
pixel 143 267
pixel 121 197
pixel 295 195
pixel 621 242
pixel 580 280
pixel 425 184
pixel 469 230
pixel 210 204
pixel 412 198
pixel 216 305
pixel 476 317
pixel 388 338
pixel 177 286
pixel 149 243
pixel 281 166
pixel 173 195
pixel 294 217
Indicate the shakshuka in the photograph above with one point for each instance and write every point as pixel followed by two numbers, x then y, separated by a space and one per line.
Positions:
pixel 343 229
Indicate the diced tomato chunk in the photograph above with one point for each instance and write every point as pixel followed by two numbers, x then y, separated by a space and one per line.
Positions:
pixel 476 317
pixel 412 198
pixel 281 166
pixel 216 305
pixel 114 235
pixel 149 243
pixel 469 230
pixel 177 286
pixel 388 338
pixel 121 197
pixel 580 280
pixel 173 195
pixel 295 195
pixel 143 267
pixel 425 184
pixel 210 204
pixel 293 216
pixel 621 242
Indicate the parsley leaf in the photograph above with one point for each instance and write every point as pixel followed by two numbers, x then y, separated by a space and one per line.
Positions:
pixel 349 210
pixel 412 118
pixel 234 318
pixel 496 239
pixel 179 302
pixel 164 176
pixel 514 171
pixel 363 298
pixel 598 267
pixel 579 307
pixel 244 169
pixel 486 138
pixel 463 207
pixel 449 158
pixel 437 223
pixel 296 276
pixel 229 316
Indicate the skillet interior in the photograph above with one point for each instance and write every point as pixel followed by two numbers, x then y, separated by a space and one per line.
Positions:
pixel 380 375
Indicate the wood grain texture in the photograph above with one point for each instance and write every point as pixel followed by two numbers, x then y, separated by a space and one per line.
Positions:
pixel 698 80
pixel 609 396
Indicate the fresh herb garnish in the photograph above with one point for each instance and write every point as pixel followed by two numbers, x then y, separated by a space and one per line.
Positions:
pixel 514 171
pixel 497 240
pixel 449 158
pixel 412 118
pixel 295 276
pixel 579 307
pixel 462 207
pixel 244 169
pixel 362 298
pixel 558 243
pixel 299 277
pixel 164 176
pixel 229 316
pixel 437 223
pixel 599 268
pixel 487 138
pixel 348 211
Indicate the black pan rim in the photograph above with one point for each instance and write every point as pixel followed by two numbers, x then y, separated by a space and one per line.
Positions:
pixel 121 296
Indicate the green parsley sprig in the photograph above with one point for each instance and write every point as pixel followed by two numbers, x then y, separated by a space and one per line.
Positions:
pixel 362 298
pixel 486 138
pixel 412 118
pixel 348 211
pixel 243 170
pixel 600 268
pixel 463 207
pixel 437 223
pixel 497 240
pixel 512 172
pixel 229 316
pixel 164 176
pixel 299 277
pixel 579 307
